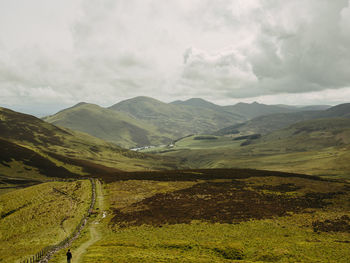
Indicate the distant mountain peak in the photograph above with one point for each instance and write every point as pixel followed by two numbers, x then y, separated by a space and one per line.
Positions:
pixel 136 100
pixel 198 99
pixel 197 102
pixel 79 104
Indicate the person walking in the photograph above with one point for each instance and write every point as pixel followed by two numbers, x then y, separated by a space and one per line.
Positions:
pixel 69 256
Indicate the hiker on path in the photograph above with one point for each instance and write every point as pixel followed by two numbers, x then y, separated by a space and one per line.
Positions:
pixel 69 256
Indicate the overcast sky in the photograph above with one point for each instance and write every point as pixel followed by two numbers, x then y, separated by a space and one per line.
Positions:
pixel 54 54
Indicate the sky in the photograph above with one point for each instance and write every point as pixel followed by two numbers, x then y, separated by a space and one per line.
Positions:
pixel 54 54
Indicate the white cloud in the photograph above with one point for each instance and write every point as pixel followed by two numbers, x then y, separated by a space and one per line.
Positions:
pixel 298 48
pixel 227 70
pixel 103 51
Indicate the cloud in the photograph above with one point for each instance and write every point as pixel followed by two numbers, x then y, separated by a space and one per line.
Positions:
pixel 227 70
pixel 103 51
pixel 287 55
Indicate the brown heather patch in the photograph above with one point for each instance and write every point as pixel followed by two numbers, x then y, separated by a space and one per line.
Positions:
pixel 297 185
pixel 203 174
pixel 125 193
pixel 341 224
pixel 224 202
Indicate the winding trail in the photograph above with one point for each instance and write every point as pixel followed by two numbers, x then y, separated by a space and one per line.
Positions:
pixel 96 195
pixel 93 227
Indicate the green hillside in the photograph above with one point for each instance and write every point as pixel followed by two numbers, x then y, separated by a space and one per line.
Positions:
pixel 113 126
pixel 198 102
pixel 248 110
pixel 36 150
pixel 268 123
pixel 175 119
pixel 340 111
pixel 40 216
pixel 318 146
pixel 144 121
pixel 252 110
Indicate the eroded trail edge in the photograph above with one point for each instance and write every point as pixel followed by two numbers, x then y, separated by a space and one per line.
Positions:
pixel 68 241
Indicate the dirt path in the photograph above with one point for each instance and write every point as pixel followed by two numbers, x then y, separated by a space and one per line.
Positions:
pixel 67 242
pixel 93 227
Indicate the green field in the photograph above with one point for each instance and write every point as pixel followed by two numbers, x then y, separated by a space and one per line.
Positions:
pixel 196 142
pixel 278 240
pixel 40 216
pixel 246 216
pixel 318 147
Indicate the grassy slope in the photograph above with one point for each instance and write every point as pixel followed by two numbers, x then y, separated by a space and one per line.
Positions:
pixel 177 120
pixel 299 235
pixel 113 126
pixel 279 120
pixel 255 109
pixel 268 123
pixel 143 121
pixel 37 148
pixel 90 234
pixel 248 110
pixel 314 147
pixel 39 216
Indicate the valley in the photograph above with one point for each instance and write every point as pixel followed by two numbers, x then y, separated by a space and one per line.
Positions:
pixel 270 188
pixel 175 131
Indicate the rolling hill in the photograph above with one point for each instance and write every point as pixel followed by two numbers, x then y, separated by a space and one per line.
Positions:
pixel 113 126
pixel 339 111
pixel 272 122
pixel 252 110
pixel 249 110
pixel 318 146
pixel 268 123
pixel 34 149
pixel 177 119
pixel 144 121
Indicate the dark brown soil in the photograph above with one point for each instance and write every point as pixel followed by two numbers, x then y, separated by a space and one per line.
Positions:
pixel 200 174
pixel 224 202
pixel 283 188
pixel 336 225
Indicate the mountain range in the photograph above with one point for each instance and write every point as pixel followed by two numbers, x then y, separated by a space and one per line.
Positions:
pixel 142 121
pixel 290 141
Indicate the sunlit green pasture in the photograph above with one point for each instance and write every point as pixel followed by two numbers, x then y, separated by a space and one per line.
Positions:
pixel 39 216
pixel 197 142
pixel 303 156
pixel 290 238
pixel 276 240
